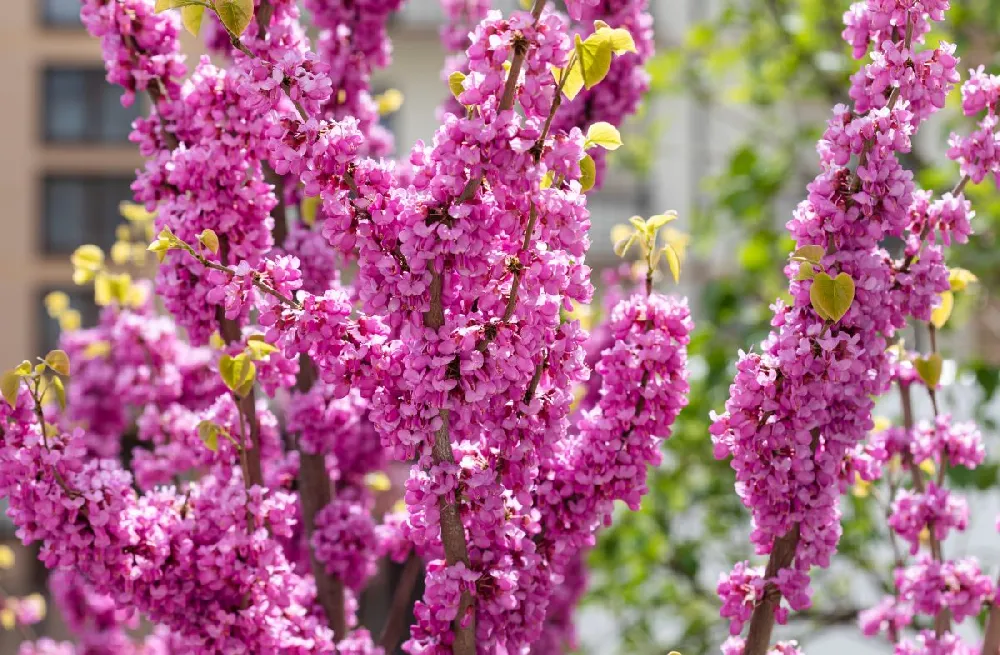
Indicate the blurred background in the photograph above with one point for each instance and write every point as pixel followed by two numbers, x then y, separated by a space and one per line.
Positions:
pixel 741 89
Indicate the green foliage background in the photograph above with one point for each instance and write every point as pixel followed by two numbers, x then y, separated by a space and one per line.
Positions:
pixel 783 64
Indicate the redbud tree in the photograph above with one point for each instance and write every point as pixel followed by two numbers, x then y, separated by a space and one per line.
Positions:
pixel 332 312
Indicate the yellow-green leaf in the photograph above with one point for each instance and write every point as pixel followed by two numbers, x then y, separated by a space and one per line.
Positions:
pixel 238 373
pixel 929 369
pixel 208 432
pixel 941 313
pixel 622 245
pixel 56 303
pixel 210 240
pixel 811 254
pixel 69 320
pixel 378 481
pixel 191 17
pixel 389 102
pixel 571 78
pixel 604 135
pixel 657 221
pixel 121 252
pixel 259 349
pixel 547 180
pixel 24 368
pixel 959 279
pixel 97 349
pixel 135 213
pixel 60 391
pixel 309 209
pixel 235 14
pixel 588 173
pixel 673 262
pixel 806 272
pixel 87 260
pixel 9 384
pixel 619 39
pixel 593 59
pixel 638 223
pixel 58 361
pixel 832 297
pixel 456 83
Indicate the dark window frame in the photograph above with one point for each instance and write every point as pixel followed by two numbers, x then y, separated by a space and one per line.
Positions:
pixel 95 88
pixel 49 21
pixel 97 223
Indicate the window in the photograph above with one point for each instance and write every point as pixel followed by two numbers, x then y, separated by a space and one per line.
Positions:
pixel 81 299
pixel 80 106
pixel 61 13
pixel 79 210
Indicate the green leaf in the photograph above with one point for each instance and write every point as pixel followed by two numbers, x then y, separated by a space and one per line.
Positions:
pixel 605 135
pixel 258 349
pixel 235 14
pixel 941 313
pixel 929 369
pixel 832 297
pixel 620 39
pixel 622 245
pixel 60 391
pixel 806 272
pixel 673 262
pixel 24 368
pixel 573 83
pixel 238 373
pixel 191 16
pixel 959 279
pixel 309 209
pixel 593 59
pixel 10 381
pixel 58 361
pixel 87 260
pixel 659 220
pixel 389 102
pixel 588 173
pixel 547 180
pixel 135 213
pixel 811 254
pixel 456 83
pixel 208 432
pixel 164 5
pixel 210 240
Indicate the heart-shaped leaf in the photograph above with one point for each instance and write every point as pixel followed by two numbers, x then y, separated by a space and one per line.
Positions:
pixel 588 173
pixel 593 58
pixel 58 361
pixel 208 432
pixel 235 14
pixel 929 369
pixel 941 313
pixel 832 297
pixel 811 254
pixel 9 384
pixel 191 16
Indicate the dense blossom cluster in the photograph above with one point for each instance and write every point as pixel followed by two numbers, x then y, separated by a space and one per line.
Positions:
pixel 449 350
pixel 800 405
pixel 945 590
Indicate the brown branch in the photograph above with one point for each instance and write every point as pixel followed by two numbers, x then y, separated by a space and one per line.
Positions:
pixel 402 600
pixel 991 639
pixel 762 621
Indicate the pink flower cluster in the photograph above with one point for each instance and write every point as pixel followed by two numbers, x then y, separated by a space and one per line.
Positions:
pixel 800 405
pixel 978 153
pixel 449 349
